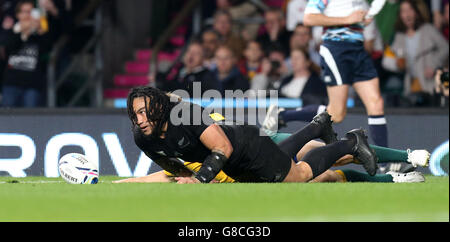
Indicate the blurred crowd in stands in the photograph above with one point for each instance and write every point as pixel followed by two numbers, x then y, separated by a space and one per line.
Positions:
pixel 408 42
pixel 26 36
pixel 29 31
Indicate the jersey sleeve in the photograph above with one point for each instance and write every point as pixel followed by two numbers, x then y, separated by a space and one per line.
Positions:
pixel 316 6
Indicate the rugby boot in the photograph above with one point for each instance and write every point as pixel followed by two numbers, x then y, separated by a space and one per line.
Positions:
pixel 327 134
pixel 362 151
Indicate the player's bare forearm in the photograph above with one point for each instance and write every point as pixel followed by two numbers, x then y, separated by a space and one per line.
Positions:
pixel 216 140
pixel 322 20
pixel 318 19
pixel 159 176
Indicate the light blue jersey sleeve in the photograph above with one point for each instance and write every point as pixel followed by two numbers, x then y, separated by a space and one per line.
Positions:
pixel 316 6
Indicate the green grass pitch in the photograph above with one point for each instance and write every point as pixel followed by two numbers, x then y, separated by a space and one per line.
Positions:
pixel 44 199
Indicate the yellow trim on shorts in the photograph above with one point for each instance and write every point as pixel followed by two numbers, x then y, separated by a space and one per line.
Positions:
pixel 341 173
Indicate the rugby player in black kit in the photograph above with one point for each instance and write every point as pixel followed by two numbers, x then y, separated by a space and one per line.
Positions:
pixel 165 130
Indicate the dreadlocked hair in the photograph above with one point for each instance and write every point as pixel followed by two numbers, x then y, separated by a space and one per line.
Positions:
pixel 157 109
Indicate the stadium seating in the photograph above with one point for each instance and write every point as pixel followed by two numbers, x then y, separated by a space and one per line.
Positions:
pixel 136 71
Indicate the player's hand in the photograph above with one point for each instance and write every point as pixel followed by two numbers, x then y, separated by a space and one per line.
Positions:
pixel 356 17
pixel 367 21
pixel 186 180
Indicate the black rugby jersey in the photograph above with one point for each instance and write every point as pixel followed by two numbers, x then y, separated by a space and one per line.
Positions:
pixel 182 138
pixel 254 158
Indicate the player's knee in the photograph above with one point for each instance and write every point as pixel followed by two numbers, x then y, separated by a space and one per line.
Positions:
pixel 300 172
pixel 304 172
pixel 380 103
pixel 338 116
pixel 337 112
pixel 376 105
pixel 306 175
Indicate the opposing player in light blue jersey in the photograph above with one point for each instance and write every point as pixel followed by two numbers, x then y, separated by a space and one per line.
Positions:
pixel 345 62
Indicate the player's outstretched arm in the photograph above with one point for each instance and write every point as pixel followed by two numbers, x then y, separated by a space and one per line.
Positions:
pixel 159 176
pixel 215 140
pixel 318 19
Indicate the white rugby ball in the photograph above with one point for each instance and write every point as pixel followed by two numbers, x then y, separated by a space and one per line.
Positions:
pixel 77 169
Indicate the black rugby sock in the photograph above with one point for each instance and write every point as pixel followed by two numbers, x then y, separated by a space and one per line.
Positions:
pixel 292 145
pixel 306 113
pixel 322 158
